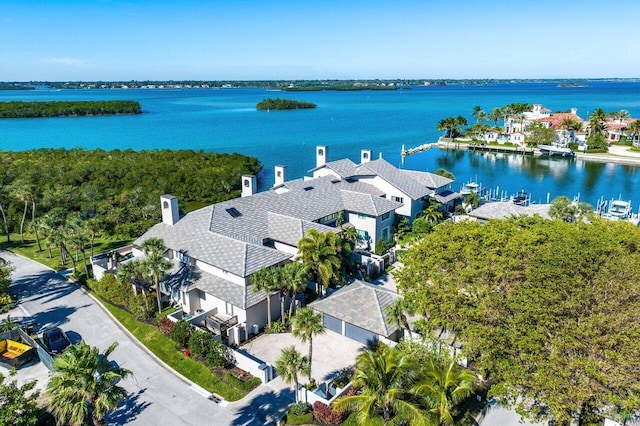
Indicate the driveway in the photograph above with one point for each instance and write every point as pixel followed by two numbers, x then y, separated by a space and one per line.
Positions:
pixel 157 397
pixel 332 352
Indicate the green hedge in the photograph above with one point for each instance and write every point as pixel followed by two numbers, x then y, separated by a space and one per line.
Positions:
pixel 304 419
pixel 251 384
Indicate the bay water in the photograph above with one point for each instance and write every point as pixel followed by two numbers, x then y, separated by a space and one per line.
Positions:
pixel 226 120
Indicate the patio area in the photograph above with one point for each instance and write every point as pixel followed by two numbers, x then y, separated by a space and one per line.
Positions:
pixel 331 351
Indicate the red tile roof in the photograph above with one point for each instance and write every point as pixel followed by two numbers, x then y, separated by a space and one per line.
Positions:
pixel 557 118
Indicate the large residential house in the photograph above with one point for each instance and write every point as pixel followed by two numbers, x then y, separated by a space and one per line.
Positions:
pixel 515 126
pixel 214 250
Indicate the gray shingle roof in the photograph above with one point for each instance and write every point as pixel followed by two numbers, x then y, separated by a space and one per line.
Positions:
pixel 290 230
pixel 446 195
pixel 396 177
pixel 367 204
pixel 344 168
pixel 430 180
pixel 505 209
pixel 190 235
pixel 361 304
pixel 234 293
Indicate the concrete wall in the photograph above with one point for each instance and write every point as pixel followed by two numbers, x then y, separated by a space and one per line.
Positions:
pixel 253 365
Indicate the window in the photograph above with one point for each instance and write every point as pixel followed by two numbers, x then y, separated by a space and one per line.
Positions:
pixel 385 234
pixel 362 216
pixel 397 199
pixel 385 216
pixel 233 212
pixel 202 295
pixel 228 308
pixel 365 155
pixel 362 235
pixel 329 219
pixel 247 183
pixel 165 205
pixel 320 151
pixel 184 258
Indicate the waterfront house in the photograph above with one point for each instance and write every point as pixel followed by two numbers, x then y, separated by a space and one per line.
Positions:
pixel 214 250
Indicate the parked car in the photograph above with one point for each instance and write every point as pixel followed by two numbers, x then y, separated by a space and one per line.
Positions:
pixel 55 340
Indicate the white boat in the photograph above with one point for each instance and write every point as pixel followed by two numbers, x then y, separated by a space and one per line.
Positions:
pixel 556 150
pixel 618 210
pixel 470 187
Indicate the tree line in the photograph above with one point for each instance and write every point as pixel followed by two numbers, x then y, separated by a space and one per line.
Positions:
pixel 66 197
pixel 21 109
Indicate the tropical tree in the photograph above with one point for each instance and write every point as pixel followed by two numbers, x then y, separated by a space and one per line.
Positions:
pixel 620 115
pixel 472 199
pixel 443 384
pixel 133 272
pixel 266 280
pixel 3 197
pixel 597 120
pixel 432 212
pixel 155 263
pixel 306 324
pixel 385 377
pixel 18 403
pixel 22 192
pixel 320 254
pixel 633 130
pixel 83 385
pixel 396 313
pixel 478 113
pixel 462 122
pixel 296 275
pixel 289 364
pixel 495 116
pixel 569 123
pixel 450 126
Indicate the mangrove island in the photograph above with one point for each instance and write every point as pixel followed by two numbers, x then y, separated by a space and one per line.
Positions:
pixel 278 104
pixel 20 109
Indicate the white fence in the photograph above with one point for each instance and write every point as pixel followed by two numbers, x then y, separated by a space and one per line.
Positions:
pixel 326 392
pixel 253 365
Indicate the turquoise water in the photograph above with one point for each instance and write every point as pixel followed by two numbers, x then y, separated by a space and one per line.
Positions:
pixel 225 120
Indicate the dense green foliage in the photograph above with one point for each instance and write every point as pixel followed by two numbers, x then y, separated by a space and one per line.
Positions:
pixel 215 354
pixel 20 109
pixel 548 310
pixel 118 190
pixel 83 385
pixel 18 404
pixel 180 333
pixel 15 86
pixel 540 135
pixel 5 272
pixel 279 103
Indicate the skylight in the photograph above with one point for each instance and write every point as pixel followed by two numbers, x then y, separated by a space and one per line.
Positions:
pixel 308 188
pixel 233 212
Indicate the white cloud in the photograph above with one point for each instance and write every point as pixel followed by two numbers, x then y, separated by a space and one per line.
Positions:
pixel 74 62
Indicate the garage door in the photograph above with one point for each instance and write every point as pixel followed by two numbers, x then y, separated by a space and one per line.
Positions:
pixel 360 334
pixel 332 323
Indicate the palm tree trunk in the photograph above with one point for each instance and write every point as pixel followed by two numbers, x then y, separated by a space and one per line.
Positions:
pixel 84 261
pixel 268 309
pixel 33 222
pixel 310 354
pixel 6 227
pixel 293 301
pixel 283 311
pixel 159 299
pixel 24 216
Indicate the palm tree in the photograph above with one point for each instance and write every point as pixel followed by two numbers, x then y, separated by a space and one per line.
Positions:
pixel 478 113
pixel 297 275
pixel 621 115
pixel 304 325
pixel 432 213
pixel 633 130
pixel 396 313
pixel 319 253
pixel 384 376
pixel 597 121
pixel 22 193
pixel 569 123
pixel 263 280
pixel 472 199
pixel 495 116
pixel 83 385
pixel 289 364
pixel 443 384
pixel 155 264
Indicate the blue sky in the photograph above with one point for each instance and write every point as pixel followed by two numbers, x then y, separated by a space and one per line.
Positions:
pixel 307 39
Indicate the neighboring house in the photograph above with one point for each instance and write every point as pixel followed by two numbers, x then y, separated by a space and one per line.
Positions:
pixel 516 127
pixel 214 250
pixel 616 129
pixel 357 311
pixel 505 209
pixel 411 188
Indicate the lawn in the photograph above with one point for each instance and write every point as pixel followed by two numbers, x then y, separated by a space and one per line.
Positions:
pixel 164 348
pixel 30 249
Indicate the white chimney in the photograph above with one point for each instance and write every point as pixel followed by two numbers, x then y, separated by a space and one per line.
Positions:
pixel 248 185
pixel 365 156
pixel 170 213
pixel 321 156
pixel 380 156
pixel 280 175
pixel 574 110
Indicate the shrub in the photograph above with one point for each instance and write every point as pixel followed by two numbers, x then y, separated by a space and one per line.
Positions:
pixel 180 333
pixel 204 345
pixel 165 325
pixel 5 299
pixel 142 306
pixel 303 419
pixel 325 414
pixel 114 290
pixel 277 327
pixel 300 408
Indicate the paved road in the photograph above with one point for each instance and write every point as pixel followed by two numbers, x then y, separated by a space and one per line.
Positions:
pixel 157 397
